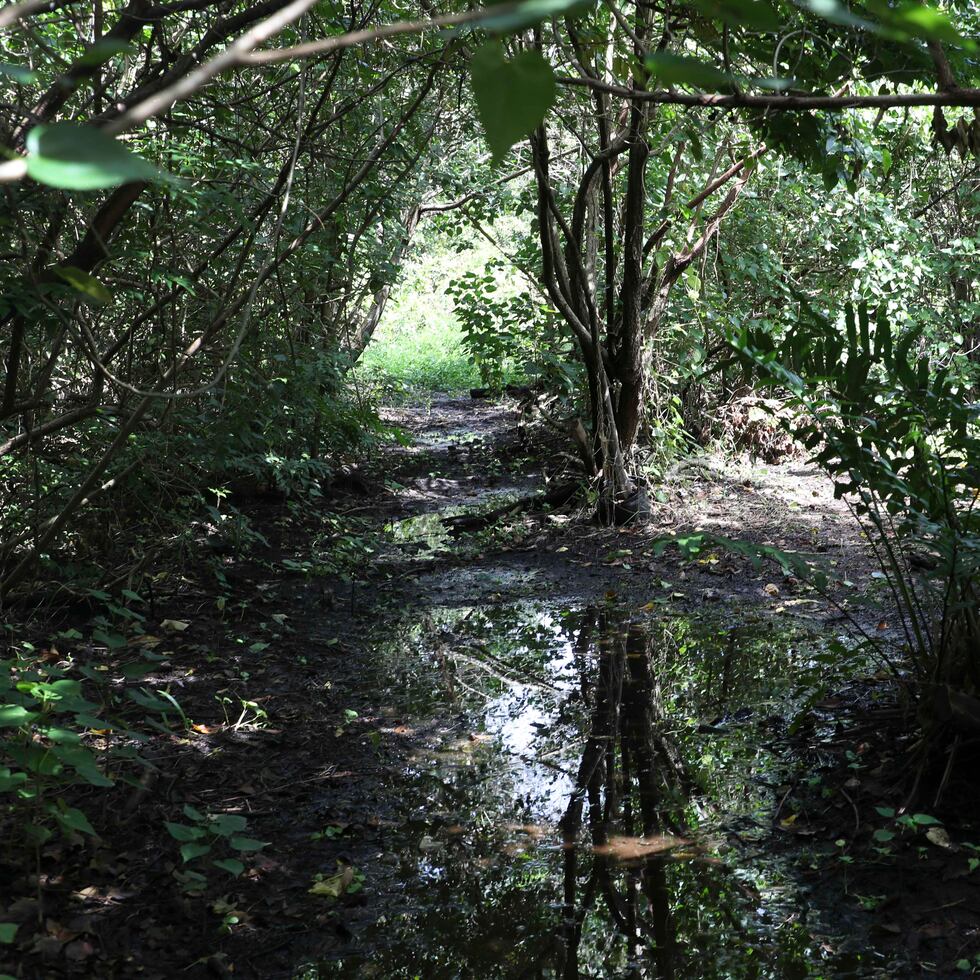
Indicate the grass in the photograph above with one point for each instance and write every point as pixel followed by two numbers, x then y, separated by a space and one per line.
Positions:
pixel 419 344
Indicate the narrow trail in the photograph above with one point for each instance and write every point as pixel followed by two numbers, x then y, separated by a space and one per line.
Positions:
pixel 468 666
pixel 419 740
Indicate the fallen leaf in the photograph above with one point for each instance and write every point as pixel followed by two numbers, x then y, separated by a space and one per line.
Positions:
pixel 174 624
pixel 335 885
pixel 939 837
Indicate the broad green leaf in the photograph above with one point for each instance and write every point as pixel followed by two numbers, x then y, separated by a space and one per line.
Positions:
pixel 230 865
pixel 151 702
pixel 246 844
pixel 676 69
pixel 180 831
pixel 101 51
pixel 137 670
pixel 756 15
pixel 83 761
pixel 192 850
pixel 81 158
pixel 917 20
pixel 72 819
pixel 8 779
pixel 531 12
pixel 81 281
pixel 227 824
pixel 193 813
pixel 62 736
pixel 512 97
pixel 17 72
pixel 8 930
pixel 15 715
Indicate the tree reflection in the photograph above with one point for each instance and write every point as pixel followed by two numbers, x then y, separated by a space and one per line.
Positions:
pixel 625 821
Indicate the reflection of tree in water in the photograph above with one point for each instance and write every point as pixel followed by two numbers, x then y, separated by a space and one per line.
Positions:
pixel 623 822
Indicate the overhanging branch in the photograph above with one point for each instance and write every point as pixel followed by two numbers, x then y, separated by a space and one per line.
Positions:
pixel 781 103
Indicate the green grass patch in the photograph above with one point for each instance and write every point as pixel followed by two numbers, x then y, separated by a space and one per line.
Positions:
pixel 419 353
pixel 418 345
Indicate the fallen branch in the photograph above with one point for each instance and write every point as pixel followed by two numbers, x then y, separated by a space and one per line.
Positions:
pixel 471 523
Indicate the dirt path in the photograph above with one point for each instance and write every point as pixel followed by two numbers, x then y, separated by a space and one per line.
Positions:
pixel 408 738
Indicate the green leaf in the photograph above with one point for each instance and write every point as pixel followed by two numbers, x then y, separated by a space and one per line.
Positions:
pixel 137 670
pixel 15 715
pixel 180 831
pixel 17 72
pixel 83 283
pixel 230 865
pixel 676 69
pixel 7 931
pixel 756 15
pixel 8 779
pixel 151 702
pixel 226 824
pixel 883 836
pixel 912 19
pixel 512 97
pixel 531 12
pixel 924 820
pixel 190 851
pixel 246 844
pixel 63 736
pixel 72 819
pixel 193 813
pixel 101 51
pixel 82 158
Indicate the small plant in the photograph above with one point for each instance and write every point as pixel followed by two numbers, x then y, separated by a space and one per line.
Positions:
pixel 204 839
pixel 350 716
pixel 330 832
pixel 43 714
pixel 905 823
pixel 245 707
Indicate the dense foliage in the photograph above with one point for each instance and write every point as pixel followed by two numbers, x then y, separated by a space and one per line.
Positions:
pixel 209 206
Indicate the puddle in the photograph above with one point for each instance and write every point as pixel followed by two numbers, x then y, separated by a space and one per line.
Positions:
pixel 592 798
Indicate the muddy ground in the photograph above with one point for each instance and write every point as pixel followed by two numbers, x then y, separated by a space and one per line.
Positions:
pixel 387 731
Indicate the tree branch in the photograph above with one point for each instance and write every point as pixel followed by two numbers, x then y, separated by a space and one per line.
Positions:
pixel 781 103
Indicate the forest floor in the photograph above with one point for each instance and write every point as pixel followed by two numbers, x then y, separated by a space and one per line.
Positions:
pixel 406 738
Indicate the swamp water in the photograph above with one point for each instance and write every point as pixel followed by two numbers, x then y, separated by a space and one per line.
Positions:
pixel 593 798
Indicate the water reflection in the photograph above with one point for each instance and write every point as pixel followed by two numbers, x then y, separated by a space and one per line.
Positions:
pixel 568 818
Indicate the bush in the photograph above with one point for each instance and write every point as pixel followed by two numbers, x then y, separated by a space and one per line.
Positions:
pixel 898 433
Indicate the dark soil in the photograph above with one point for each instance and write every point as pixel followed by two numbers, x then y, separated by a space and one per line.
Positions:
pixel 292 727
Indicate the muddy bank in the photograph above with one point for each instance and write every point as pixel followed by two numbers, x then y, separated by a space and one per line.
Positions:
pixel 540 751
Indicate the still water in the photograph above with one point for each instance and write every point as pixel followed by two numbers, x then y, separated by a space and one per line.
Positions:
pixel 595 796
